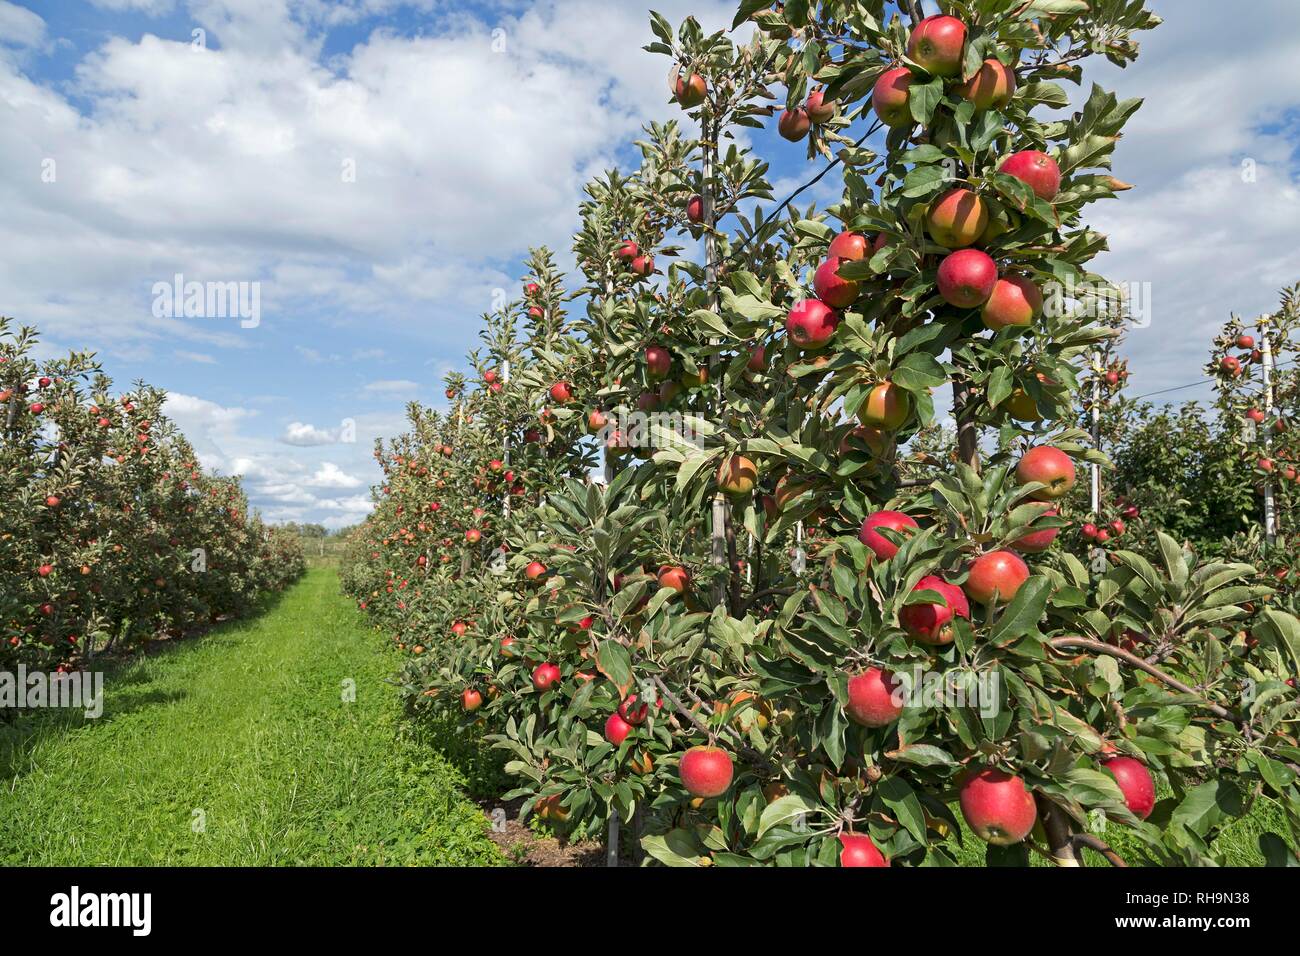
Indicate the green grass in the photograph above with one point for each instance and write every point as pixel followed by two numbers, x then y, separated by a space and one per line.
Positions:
pixel 247 725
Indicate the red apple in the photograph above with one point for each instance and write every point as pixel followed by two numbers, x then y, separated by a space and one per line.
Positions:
pixel 997 806
pixel 545 676
pixel 937 45
pixel 473 535
pixel 675 577
pixel 628 251
pixel 836 292
pixel 642 266
pixel 1016 301
pixel 658 361
pixel 848 245
pixel 890 95
pixel 471 699
pixel 535 570
pixel 1036 169
pixel 1036 542
pixel 883 548
pixel 1050 466
pixel 561 392
pixel 695 209
pixel 997 575
pixel 706 771
pixel 616 729
pixel 856 849
pixel 811 323
pixel 875 698
pixel 793 124
pixel 991 87
pixel 967 278
pixel 957 218
pixel 633 711
pixel 820 110
pixel 690 90
pixel 737 475
pixel 886 406
pixel 932 623
pixel 1135 783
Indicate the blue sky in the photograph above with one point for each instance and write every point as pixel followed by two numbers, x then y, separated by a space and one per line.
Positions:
pixel 471 129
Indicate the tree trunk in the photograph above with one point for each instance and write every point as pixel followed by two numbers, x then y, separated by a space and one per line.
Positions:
pixel 963 412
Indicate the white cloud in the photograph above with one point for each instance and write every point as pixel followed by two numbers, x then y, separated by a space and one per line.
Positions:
pixel 153 8
pixel 306 436
pixel 201 357
pixel 394 387
pixel 329 475
pixel 20 26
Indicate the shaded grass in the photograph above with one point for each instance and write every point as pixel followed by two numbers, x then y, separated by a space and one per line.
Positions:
pixel 244 731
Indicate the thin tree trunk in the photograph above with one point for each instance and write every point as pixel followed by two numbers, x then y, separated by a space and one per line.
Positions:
pixel 968 444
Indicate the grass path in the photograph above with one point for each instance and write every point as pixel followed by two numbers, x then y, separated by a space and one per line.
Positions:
pixel 246 726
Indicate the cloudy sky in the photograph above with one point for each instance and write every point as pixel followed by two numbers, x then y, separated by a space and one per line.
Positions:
pixel 379 168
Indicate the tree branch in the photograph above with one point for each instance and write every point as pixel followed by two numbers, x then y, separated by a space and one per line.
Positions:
pixel 1093 843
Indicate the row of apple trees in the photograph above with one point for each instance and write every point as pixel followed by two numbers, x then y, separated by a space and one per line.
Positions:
pixel 110 532
pixel 770 632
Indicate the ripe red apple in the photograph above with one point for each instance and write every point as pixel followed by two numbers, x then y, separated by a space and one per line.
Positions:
pixel 1245 341
pixel 633 711
pixel 875 698
pixel 836 292
pixel 991 87
pixel 675 577
pixel 856 849
pixel 690 90
pixel 532 289
pixel 890 95
pixel 1049 465
pixel 52 501
pixel 616 729
pixel 596 420
pixel 706 771
pixel 545 676
pixel 793 124
pixel 471 699
pixel 490 376
pixel 937 44
pixel 737 475
pixel 997 806
pixel 535 570
pixel 695 209
pixel 506 644
pixel 883 548
pixel 1135 783
pixel 45 570
pixel 658 361
pixel 873 438
pixel 967 278
pixel 1230 365
pixel 848 245
pixel 1016 301
pixel 642 266
pixel 957 218
pixel 820 110
pixel 932 623
pixel 628 251
pixel 473 535
pixel 811 323
pixel 757 359
pixel 1036 542
pixel 36 408
pixel 997 575
pixel 561 392
pixel 886 406
pixel 1036 169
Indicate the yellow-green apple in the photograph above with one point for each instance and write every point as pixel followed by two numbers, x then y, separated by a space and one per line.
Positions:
pixel 886 406
pixel 957 218
pixel 737 475
pixel 890 97
pixel 1015 301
